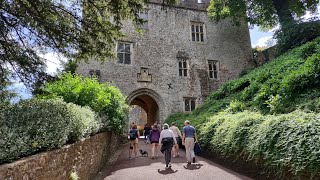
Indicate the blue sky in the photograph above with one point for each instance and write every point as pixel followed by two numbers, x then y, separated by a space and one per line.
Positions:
pixel 259 38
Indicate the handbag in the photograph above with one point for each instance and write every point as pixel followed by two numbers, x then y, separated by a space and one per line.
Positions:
pixel 197 149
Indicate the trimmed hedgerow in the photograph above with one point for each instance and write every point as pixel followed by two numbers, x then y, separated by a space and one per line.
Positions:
pixel 105 99
pixel 283 143
pixel 40 125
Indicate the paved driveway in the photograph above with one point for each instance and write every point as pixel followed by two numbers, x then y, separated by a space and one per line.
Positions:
pixel 145 168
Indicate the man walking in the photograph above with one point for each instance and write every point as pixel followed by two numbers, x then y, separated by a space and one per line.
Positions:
pixel 189 138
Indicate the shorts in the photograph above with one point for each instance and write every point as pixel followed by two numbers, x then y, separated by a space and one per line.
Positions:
pixel 134 141
pixel 178 140
pixel 155 142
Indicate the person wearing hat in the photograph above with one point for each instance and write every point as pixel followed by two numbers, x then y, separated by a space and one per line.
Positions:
pixel 167 140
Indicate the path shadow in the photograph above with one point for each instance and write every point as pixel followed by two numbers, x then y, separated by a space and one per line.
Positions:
pixel 124 162
pixel 167 171
pixel 193 166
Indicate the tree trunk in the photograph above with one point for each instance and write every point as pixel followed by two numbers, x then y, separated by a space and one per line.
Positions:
pixel 283 12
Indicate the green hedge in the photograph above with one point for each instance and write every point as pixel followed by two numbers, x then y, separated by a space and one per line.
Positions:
pixel 240 119
pixel 272 88
pixel 105 99
pixel 40 125
pixel 283 143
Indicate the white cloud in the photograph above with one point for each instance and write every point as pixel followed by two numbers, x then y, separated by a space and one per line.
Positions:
pixel 263 41
pixel 310 15
pixel 53 62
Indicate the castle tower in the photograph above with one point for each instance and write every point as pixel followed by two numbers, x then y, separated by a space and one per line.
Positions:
pixel 179 60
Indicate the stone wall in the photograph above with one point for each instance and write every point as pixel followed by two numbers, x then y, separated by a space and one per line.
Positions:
pixel 262 57
pixel 85 158
pixel 156 53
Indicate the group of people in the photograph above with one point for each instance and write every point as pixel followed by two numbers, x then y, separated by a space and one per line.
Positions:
pixel 166 137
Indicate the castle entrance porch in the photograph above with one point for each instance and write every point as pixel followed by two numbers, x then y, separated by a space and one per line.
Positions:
pixel 143 110
pixel 145 107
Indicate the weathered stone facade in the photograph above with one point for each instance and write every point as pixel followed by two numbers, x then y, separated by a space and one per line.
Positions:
pixel 86 158
pixel 152 80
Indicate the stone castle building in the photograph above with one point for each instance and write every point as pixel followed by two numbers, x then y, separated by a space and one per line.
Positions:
pixel 179 60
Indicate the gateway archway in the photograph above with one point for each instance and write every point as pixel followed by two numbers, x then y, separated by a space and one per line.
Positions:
pixel 146 107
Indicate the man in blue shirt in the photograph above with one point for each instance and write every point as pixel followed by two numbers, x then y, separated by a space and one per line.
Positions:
pixel 189 138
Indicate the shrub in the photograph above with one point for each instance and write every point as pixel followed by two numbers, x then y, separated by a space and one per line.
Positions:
pixel 283 143
pixel 105 99
pixel 235 106
pixel 288 142
pixel 275 104
pixel 84 122
pixel 40 125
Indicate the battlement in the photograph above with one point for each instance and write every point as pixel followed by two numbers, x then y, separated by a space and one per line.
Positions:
pixel 201 5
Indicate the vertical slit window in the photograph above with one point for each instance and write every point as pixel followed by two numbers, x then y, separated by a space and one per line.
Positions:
pixel 145 17
pixel 213 69
pixel 124 53
pixel 183 68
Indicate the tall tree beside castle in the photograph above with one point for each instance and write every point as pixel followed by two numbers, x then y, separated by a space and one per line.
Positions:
pixel 30 27
pixel 264 13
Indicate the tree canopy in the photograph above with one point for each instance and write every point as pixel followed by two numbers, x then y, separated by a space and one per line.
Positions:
pixel 74 28
pixel 264 13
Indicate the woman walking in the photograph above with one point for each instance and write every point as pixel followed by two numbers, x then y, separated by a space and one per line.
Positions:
pixel 154 139
pixel 146 133
pixel 134 140
pixel 167 140
pixel 177 135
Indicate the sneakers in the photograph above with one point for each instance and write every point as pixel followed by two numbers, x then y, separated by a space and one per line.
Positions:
pixel 169 165
pixel 194 160
pixel 188 162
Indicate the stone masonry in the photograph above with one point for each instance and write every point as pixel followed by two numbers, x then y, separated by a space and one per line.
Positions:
pixel 86 158
pixel 168 39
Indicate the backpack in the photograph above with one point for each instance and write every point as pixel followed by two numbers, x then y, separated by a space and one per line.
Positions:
pixel 133 134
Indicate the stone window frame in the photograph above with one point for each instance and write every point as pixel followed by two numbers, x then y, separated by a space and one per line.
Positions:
pixel 182 68
pixel 124 53
pixel 214 73
pixel 190 104
pixel 194 33
pixel 144 14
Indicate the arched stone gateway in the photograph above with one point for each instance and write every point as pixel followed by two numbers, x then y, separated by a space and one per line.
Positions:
pixel 150 101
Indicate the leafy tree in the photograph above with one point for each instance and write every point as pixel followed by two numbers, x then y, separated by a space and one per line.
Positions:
pixel 264 13
pixel 75 28
pixel 5 94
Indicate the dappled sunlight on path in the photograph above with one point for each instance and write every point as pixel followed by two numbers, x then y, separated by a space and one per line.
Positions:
pixel 145 168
